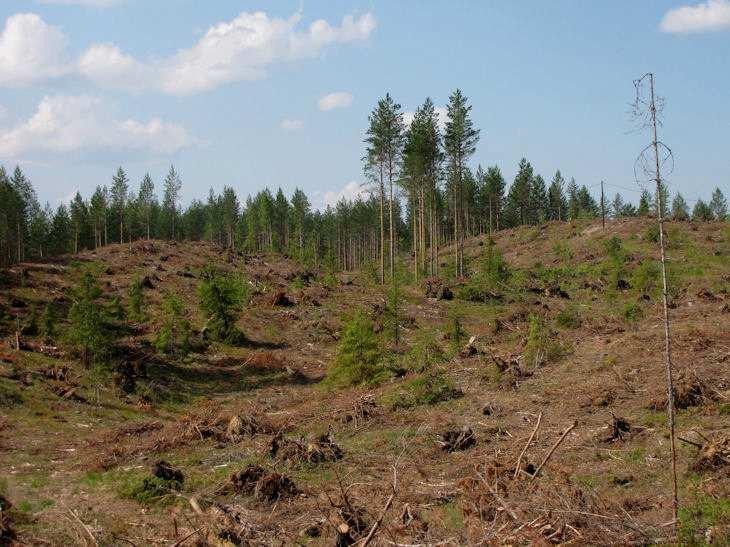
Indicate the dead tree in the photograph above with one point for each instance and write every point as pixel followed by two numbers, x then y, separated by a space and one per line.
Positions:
pixel 648 167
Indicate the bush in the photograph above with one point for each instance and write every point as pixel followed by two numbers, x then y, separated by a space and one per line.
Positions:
pixel 428 389
pixel 358 354
pixel 31 326
pixel 116 311
pixel 48 322
pixel 645 278
pixel 174 336
pixel 425 352
pixel 136 300
pixel 222 299
pixel 456 335
pixel 493 268
pixel 88 329
pixel 151 490
pixel 613 248
pixel 540 348
pixel 632 312
pixel 569 318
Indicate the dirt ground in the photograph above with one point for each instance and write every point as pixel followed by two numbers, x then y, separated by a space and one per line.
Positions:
pixel 245 446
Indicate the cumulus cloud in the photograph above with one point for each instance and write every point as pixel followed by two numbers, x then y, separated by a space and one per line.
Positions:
pixel 441 115
pixel 241 49
pixel 350 191
pixel 340 99
pixel 64 124
pixel 288 124
pixel 31 51
pixel 90 3
pixel 712 15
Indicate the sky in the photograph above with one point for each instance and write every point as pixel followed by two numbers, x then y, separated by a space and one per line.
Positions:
pixel 277 93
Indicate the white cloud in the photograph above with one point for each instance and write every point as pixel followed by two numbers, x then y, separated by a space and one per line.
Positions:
pixel 708 16
pixel 340 99
pixel 31 51
pixel 90 3
pixel 441 114
pixel 3 112
pixel 291 125
pixel 352 190
pixel 241 49
pixel 64 124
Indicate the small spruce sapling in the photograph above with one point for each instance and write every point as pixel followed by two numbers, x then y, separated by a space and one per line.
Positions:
pixel 222 299
pixel 136 300
pixel 174 336
pixel 87 325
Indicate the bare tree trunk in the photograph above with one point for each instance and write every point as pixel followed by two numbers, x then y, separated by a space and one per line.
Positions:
pixel 382 227
pixel 667 341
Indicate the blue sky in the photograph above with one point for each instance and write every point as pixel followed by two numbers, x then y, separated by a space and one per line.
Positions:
pixel 277 93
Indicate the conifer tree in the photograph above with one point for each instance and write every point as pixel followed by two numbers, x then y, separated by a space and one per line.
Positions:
pixel 119 195
pixel 702 212
pixel 538 200
pixel 557 206
pixel 460 140
pixel 680 211
pixel 646 203
pixel 718 205
pixel 518 206
pixel 147 200
pixel 172 188
pixel 573 204
pixel 87 325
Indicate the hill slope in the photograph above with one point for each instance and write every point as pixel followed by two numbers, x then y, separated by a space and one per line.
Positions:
pixel 567 335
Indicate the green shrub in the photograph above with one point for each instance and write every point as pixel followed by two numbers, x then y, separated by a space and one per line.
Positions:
pixel 48 322
pixel 613 248
pixel 358 359
pixel 425 352
pixel 569 318
pixel 174 336
pixel 88 329
pixel 136 300
pixel 116 310
pixel 493 268
pixel 645 278
pixel 151 490
pixel 31 325
pixel 455 334
pixel 632 312
pixel 540 348
pixel 695 518
pixel 428 389
pixel 652 233
pixel 222 299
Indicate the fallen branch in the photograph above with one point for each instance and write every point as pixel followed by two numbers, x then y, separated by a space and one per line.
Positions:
pixel 553 449
pixel 86 528
pixel 529 441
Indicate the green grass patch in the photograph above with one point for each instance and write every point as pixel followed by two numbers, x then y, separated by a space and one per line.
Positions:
pixel 704 512
pixel 428 389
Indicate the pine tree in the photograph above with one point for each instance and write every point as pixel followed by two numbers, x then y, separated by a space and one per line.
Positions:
pixel 172 186
pixel 385 139
pixel 119 191
pixel 617 206
pixel 460 140
pixel 230 210
pixel 79 221
pixel 147 200
pixel 538 200
pixel 646 203
pixel 573 204
pixel 680 211
pixel 222 298
pixel 718 205
pixel 519 203
pixel 300 211
pixel 557 206
pixel 87 325
pixel 702 212
pixel 60 232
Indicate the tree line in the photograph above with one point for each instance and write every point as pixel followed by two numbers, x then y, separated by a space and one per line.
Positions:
pixel 423 195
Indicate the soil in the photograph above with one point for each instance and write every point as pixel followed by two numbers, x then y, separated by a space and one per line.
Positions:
pixel 270 455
